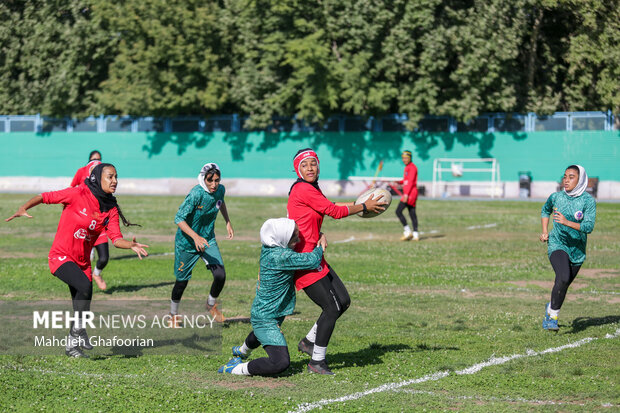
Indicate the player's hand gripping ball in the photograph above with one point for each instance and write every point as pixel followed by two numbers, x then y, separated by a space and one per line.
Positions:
pixel 376 193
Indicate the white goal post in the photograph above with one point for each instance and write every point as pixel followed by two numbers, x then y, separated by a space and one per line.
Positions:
pixel 461 167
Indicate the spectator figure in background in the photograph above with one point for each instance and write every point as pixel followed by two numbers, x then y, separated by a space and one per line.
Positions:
pixel 101 244
pixel 409 198
pixel 574 213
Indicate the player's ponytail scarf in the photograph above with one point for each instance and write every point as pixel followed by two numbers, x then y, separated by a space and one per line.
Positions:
pixel 208 169
pixel 300 156
pixel 581 185
pixel 106 201
pixel 277 232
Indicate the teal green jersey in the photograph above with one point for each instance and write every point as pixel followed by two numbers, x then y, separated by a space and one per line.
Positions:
pixel 580 209
pixel 198 210
pixel 275 289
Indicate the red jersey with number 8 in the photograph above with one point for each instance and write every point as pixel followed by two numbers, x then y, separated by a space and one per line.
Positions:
pixel 80 224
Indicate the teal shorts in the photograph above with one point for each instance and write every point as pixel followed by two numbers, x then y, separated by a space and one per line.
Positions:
pixel 268 332
pixel 184 261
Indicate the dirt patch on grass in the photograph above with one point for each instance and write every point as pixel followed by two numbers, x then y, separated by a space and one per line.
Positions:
pixel 245 383
pixel 19 254
pixel 596 273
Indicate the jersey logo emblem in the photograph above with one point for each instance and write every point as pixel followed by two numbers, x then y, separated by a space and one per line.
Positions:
pixel 319 268
pixel 200 206
pixel 83 212
pixel 579 215
pixel 62 258
pixel 219 203
pixel 80 234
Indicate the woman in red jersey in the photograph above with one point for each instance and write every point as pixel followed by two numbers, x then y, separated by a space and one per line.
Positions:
pixel 409 198
pixel 101 244
pixel 307 206
pixel 88 210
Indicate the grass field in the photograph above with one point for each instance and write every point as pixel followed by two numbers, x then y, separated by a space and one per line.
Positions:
pixel 452 322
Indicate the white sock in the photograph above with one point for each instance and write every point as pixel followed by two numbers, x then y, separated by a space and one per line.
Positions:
pixel 406 230
pixel 174 307
pixel 78 323
pixel 211 300
pixel 245 350
pixel 72 342
pixel 553 313
pixel 311 336
pixel 92 254
pixel 241 369
pixel 416 235
pixel 97 271
pixel 318 353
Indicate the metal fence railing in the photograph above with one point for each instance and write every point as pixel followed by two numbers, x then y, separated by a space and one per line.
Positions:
pixel 486 123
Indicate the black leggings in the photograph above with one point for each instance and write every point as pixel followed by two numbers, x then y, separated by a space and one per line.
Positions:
pixel 103 254
pixel 565 273
pixel 331 295
pixel 412 214
pixel 277 361
pixel 80 286
pixel 219 278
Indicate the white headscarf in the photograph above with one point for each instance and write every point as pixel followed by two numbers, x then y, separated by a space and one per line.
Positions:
pixel 581 185
pixel 203 172
pixel 277 232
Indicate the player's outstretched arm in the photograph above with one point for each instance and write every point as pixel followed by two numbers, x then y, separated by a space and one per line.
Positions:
pixel 21 212
pixel 132 245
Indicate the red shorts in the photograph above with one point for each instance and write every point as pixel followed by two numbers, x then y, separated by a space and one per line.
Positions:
pixel 102 238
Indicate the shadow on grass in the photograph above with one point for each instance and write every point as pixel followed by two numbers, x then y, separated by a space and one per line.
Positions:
pixel 581 323
pixel 133 288
pixel 368 356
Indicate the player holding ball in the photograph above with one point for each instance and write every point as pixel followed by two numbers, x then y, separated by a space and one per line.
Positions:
pixel 307 206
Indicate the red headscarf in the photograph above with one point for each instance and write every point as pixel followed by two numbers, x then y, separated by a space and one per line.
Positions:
pixel 309 153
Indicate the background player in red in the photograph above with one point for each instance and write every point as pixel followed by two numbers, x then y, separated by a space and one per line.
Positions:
pixel 409 198
pixel 101 244
pixel 307 206
pixel 88 210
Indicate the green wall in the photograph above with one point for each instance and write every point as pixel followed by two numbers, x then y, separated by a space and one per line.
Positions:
pixel 260 155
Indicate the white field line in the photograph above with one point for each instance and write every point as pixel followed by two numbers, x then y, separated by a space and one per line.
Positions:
pixel 352 238
pixel 499 399
pixel 493 361
pixel 482 226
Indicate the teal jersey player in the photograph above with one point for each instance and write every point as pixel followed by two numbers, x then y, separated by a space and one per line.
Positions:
pixel 195 239
pixel 574 213
pixel 275 298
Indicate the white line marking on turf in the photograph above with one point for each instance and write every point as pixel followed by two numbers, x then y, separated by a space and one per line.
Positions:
pixel 482 226
pixel 493 361
pixel 500 399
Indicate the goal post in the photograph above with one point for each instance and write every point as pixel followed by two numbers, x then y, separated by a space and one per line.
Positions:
pixel 480 173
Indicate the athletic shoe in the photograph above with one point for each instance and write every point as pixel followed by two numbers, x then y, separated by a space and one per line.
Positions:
pixel 84 342
pixel 306 346
pixel 228 367
pixel 416 236
pixel 216 314
pixel 407 237
pixel 98 279
pixel 175 320
pixel 319 367
pixel 76 352
pixel 552 325
pixel 236 352
pixel 549 323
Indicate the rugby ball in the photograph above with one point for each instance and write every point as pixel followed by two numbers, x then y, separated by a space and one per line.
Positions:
pixel 376 193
